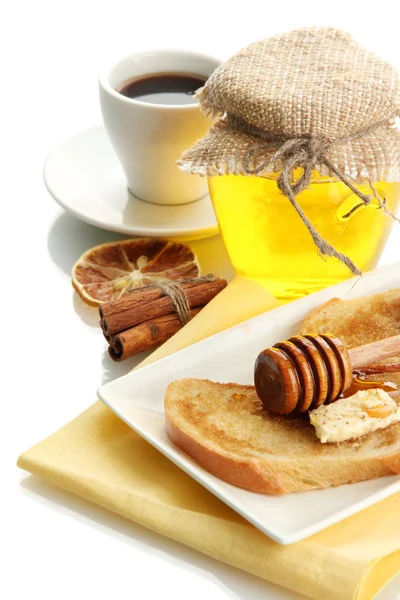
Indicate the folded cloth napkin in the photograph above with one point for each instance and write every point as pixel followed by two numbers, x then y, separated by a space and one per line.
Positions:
pixel 99 458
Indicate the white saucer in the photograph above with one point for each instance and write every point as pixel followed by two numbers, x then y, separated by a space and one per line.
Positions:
pixel 84 176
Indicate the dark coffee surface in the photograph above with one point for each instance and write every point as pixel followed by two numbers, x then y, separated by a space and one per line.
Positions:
pixel 163 88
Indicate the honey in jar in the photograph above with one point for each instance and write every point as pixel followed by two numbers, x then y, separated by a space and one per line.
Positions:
pixel 267 241
pixel 303 158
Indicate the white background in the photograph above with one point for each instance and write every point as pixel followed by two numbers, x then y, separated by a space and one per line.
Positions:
pixel 57 546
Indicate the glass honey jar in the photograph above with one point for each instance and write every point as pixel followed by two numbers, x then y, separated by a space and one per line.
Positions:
pixel 267 241
pixel 299 119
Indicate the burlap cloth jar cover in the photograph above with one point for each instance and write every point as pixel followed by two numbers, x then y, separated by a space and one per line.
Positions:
pixel 311 99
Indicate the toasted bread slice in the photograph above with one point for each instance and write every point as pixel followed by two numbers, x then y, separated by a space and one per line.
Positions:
pixel 224 428
pixel 359 321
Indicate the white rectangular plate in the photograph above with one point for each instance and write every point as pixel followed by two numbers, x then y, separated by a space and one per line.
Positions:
pixel 138 399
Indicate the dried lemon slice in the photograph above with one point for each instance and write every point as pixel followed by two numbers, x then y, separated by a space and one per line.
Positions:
pixel 109 271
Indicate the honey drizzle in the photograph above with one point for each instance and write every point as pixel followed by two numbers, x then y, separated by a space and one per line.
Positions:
pixel 359 383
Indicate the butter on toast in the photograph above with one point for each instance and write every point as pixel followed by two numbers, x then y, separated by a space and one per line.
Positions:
pixel 224 428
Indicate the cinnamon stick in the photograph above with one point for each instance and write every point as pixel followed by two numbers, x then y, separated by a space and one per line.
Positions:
pixel 149 303
pixel 146 336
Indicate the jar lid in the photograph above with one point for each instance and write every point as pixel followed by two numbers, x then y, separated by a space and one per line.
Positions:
pixel 309 83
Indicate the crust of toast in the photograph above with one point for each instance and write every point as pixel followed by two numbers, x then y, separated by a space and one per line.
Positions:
pixel 357 321
pixel 317 314
pixel 240 473
pixel 206 438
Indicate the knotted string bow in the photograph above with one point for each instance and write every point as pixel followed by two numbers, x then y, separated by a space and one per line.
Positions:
pixel 177 294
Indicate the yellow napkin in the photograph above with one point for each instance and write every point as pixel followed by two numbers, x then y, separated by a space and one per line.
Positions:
pixel 99 458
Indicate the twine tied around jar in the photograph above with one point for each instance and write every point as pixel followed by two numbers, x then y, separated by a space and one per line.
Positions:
pixel 305 154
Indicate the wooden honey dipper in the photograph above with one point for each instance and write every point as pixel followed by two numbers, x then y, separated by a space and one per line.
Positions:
pixel 306 371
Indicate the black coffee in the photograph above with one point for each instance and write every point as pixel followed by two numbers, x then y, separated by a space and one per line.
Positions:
pixel 163 88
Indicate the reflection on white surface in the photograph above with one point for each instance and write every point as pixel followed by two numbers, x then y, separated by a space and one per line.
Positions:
pixel 231 583
pixel 186 566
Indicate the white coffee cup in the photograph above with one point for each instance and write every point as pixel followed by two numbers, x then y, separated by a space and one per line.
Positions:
pixel 149 138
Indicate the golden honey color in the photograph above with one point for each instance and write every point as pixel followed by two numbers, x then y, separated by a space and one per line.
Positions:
pixel 267 241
